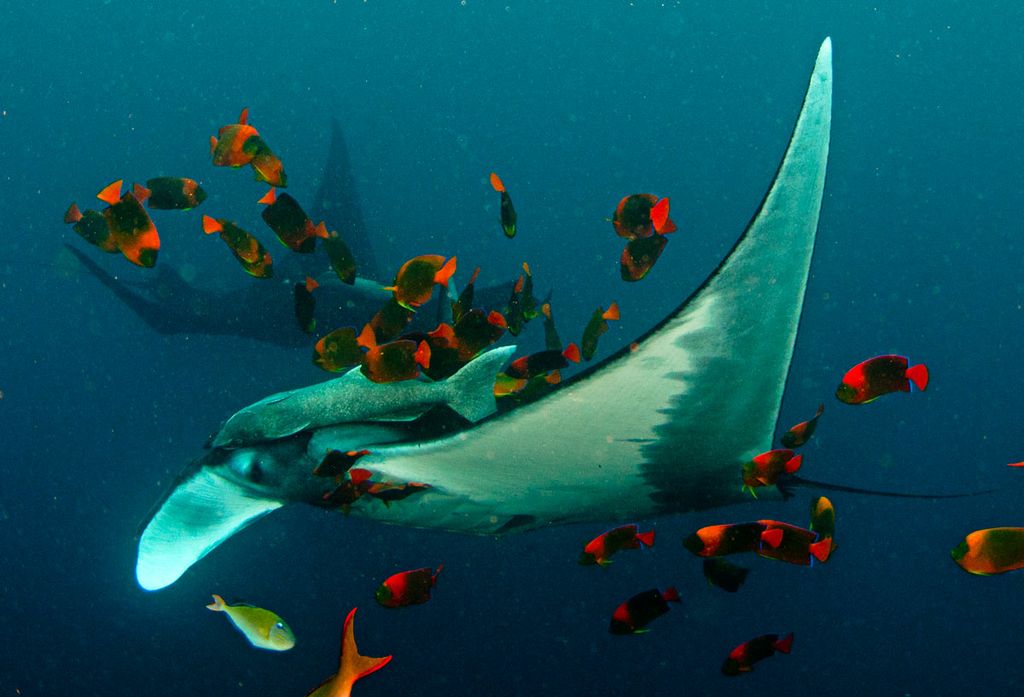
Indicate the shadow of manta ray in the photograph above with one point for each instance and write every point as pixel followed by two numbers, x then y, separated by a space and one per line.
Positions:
pixel 660 426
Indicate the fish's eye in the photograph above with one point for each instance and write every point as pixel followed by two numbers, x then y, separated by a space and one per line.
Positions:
pixel 279 625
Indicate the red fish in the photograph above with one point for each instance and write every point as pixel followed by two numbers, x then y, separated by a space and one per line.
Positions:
pixel 742 658
pixel 353 666
pixel 393 361
pixel 235 144
pixel 641 215
pixel 465 301
pixel 246 248
pixel 130 225
pixel 336 463
pixel 389 492
pixel 414 283
pixel 792 544
pixel 407 588
pixel 543 362
pixel 719 540
pixel 522 305
pixel 348 491
pixel 991 551
pixel 508 211
pixel 600 549
pixel 633 616
pixel 290 223
pixel 342 260
pixel 867 381
pixel 92 227
pixel 802 432
pixel 766 468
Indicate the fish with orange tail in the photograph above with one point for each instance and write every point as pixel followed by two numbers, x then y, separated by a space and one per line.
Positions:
pixel 644 220
pixel 92 227
pixel 742 658
pixel 173 193
pixel 338 350
pixel 289 221
pixel 991 551
pixel 394 361
pixel 766 469
pixel 407 588
pixel 508 211
pixel 802 432
pixel 869 380
pixel 353 665
pixel 633 616
pixel 131 228
pixel 543 362
pixel 414 282
pixel 246 248
pixel 305 304
pixel 596 326
pixel 600 549
pixel 239 144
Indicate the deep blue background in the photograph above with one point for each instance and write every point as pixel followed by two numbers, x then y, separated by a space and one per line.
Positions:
pixel 918 252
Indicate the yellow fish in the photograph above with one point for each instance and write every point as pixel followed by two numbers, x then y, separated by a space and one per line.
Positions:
pixel 263 628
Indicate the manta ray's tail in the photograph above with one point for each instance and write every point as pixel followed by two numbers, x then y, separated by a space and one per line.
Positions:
pixel 795 481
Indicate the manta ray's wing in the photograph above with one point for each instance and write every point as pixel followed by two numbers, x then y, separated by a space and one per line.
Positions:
pixel 666 423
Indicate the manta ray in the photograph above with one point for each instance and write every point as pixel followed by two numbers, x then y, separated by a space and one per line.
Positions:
pixel 662 426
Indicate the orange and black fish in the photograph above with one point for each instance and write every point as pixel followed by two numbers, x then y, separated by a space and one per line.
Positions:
pixel 266 164
pixel 476 330
pixel 522 305
pixel 642 215
pixel 639 257
pixel 720 540
pixel 336 463
pixel 353 666
pixel 464 303
pixel 394 361
pixel 508 211
pixel 597 326
pixel 543 362
pixel 991 551
pixel 600 549
pixel 174 193
pixel 389 492
pixel 793 544
pixel 389 321
pixel 823 518
pixel 342 260
pixel 348 491
pixel 766 468
pixel 92 227
pixel 742 658
pixel 867 381
pixel 338 350
pixel 802 432
pixel 246 248
pixel 305 304
pixel 407 588
pixel 633 616
pixel 290 223
pixel 552 340
pixel 130 225
pixel 724 574
pixel 235 144
pixel 414 283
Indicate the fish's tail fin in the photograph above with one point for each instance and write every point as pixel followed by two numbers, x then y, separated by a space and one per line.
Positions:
pixel 471 390
pixel 918 374
pixel 785 644
pixel 218 604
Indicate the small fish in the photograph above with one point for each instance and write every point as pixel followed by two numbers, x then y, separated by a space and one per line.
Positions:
pixel 508 211
pixel 390 320
pixel 389 492
pixel 464 303
pixel 354 666
pixel 305 304
pixel 542 362
pixel 348 491
pixel 293 228
pixel 342 260
pixel 639 257
pixel 600 549
pixel 336 463
pixel 476 330
pixel 793 544
pixel 174 193
pixel 633 616
pixel 92 227
pixel 235 144
pixel 641 215
pixel 823 518
pixel 265 164
pixel 766 468
pixel 551 339
pixel 724 574
pixel 522 305
pixel 130 225
pixel 991 551
pixel 407 588
pixel 246 248
pixel 338 350
pixel 802 432
pixel 263 628
pixel 414 283
pixel 869 380
pixel 597 326
pixel 742 658
pixel 394 361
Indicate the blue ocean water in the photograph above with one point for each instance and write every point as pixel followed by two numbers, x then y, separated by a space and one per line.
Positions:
pixel 575 106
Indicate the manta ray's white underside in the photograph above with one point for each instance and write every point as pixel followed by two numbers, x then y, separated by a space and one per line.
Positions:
pixel 661 426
